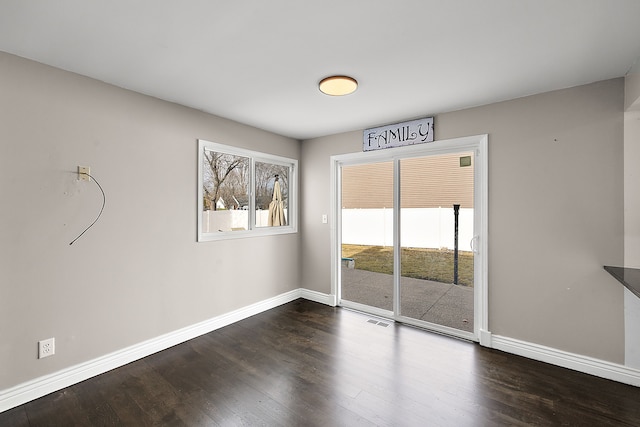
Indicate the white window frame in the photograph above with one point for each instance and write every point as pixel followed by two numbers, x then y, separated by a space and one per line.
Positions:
pixel 254 156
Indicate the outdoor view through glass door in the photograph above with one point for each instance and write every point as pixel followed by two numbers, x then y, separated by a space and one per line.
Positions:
pixel 436 222
pixel 407 233
pixel 367 235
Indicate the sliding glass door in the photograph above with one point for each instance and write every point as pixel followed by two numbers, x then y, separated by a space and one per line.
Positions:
pixel 410 235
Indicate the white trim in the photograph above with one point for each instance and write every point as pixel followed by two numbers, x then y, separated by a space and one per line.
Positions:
pixel 335 224
pixel 481 202
pixel 576 362
pixel 476 143
pixel 485 338
pixel 318 297
pixel 28 391
pixel 253 230
pixel 397 239
pixel 368 309
pixel 436 328
pixel 443 146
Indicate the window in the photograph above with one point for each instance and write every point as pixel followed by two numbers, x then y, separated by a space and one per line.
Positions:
pixel 243 193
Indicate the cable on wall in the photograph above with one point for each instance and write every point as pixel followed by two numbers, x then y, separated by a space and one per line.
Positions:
pixel 104 202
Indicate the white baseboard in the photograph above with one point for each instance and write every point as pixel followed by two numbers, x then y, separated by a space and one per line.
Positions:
pixel 319 297
pixel 23 393
pixel 485 338
pixel 577 362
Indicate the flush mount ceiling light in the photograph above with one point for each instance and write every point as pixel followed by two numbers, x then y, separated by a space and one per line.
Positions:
pixel 338 85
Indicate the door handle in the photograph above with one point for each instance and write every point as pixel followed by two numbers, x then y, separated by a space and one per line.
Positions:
pixel 473 244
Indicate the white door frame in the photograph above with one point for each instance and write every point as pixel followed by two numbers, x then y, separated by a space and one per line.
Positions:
pixel 478 144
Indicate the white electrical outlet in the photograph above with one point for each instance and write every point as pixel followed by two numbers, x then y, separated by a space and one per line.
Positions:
pixel 83 173
pixel 46 348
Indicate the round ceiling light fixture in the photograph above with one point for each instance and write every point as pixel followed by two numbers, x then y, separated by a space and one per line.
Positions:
pixel 338 85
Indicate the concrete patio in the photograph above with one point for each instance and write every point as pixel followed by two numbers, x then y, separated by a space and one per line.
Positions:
pixel 444 304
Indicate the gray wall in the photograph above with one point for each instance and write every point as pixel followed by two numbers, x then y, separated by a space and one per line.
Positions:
pixel 556 178
pixel 139 272
pixel 632 211
pixel 631 173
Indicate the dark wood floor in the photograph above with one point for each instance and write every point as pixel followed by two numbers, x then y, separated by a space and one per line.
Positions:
pixel 306 364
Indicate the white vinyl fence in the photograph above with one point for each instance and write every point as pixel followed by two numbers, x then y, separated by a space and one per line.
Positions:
pixel 227 220
pixel 421 227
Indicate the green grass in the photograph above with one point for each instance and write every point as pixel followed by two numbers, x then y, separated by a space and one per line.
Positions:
pixel 427 264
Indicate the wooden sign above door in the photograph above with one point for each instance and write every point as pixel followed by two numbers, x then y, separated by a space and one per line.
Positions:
pixel 398 135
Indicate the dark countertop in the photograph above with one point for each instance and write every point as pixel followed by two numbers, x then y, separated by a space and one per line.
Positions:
pixel 629 277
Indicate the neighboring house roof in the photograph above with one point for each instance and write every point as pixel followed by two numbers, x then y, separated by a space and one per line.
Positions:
pixel 241 200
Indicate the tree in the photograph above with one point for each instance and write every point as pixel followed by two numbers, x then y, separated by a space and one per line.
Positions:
pixel 218 167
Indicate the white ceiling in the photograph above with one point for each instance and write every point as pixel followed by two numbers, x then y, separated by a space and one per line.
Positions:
pixel 258 62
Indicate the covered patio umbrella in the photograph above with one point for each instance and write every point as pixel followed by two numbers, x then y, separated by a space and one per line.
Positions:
pixel 276 207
